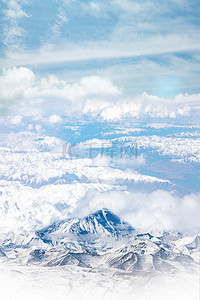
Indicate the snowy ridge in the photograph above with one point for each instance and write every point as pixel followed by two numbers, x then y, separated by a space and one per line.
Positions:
pixel 102 222
pixel 103 240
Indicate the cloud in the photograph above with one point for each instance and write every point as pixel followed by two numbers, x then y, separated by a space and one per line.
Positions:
pixel 13 32
pixel 53 96
pixel 133 8
pixel 15 85
pixel 133 30
pixel 147 211
pixel 151 106
pixel 16 120
pixel 91 96
pixel 55 119
pixel 101 161
pixel 115 48
pixel 14 10
pixel 61 19
pixel 138 29
pixel 118 162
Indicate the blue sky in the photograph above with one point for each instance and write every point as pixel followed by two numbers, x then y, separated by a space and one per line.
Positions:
pixel 141 46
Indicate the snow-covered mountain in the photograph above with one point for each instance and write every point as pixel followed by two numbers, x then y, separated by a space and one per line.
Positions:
pixel 102 222
pixel 103 240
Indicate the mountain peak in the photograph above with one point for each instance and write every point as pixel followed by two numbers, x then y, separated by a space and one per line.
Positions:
pixel 101 222
pixel 104 221
pixel 104 213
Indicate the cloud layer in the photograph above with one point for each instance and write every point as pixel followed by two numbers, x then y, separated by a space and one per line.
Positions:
pixel 51 98
pixel 147 211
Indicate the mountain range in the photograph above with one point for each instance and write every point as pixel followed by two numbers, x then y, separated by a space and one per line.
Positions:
pixel 101 240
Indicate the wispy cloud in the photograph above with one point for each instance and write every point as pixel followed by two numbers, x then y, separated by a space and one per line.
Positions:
pixel 13 32
pixel 123 48
pixel 61 19
pixel 110 37
pixel 138 29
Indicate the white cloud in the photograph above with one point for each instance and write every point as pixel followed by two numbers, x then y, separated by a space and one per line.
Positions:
pixel 119 162
pixel 14 10
pixel 91 96
pixel 55 119
pixel 13 32
pixel 15 85
pixel 97 9
pixel 61 19
pixel 138 29
pixel 184 111
pixel 101 161
pixel 133 8
pixel 118 47
pixel 153 107
pixel 129 162
pixel 16 120
pixel 38 127
pixel 157 210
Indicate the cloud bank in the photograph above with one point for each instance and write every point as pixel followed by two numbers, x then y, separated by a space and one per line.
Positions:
pixel 50 99
pixel 147 211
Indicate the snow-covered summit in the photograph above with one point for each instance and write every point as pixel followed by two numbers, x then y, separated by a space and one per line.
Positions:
pixel 101 223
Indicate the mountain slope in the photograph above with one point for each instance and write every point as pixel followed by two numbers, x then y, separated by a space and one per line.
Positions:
pixel 103 240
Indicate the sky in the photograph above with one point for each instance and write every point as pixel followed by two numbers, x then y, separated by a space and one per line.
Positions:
pixel 140 46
